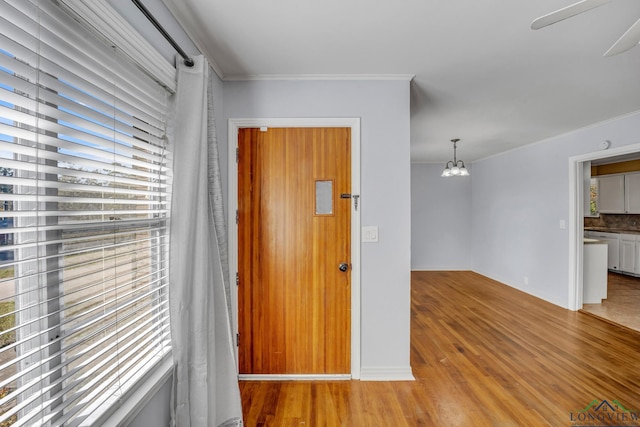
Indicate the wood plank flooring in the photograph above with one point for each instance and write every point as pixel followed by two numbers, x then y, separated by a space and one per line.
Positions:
pixel 483 354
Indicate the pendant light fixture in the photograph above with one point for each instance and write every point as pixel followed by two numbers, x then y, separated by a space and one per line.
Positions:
pixel 455 167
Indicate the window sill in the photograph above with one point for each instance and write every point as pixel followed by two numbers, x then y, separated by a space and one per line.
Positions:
pixel 133 403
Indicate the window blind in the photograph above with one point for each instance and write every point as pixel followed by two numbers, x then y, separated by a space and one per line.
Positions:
pixel 84 195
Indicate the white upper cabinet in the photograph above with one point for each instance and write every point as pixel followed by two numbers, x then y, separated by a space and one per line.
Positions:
pixel 632 193
pixel 611 197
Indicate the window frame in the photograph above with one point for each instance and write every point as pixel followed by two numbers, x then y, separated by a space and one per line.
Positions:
pixel 101 18
pixel 593 201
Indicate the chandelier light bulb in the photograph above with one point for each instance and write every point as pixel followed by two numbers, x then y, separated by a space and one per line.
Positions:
pixel 455 167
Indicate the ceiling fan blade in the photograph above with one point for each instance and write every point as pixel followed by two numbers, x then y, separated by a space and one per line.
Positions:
pixel 628 40
pixel 566 12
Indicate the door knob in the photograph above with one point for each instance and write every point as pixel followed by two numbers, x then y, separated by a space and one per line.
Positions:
pixel 343 267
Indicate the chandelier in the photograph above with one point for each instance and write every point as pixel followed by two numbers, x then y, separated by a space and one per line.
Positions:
pixel 455 167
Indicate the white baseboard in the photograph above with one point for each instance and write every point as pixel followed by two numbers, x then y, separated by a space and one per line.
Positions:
pixel 373 373
pixel 294 377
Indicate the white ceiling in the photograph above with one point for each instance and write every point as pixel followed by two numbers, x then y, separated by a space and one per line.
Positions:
pixel 481 74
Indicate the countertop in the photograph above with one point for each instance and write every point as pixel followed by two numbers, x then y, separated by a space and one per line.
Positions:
pixel 588 241
pixel 612 230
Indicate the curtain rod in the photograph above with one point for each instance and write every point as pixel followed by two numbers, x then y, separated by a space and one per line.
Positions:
pixel 187 60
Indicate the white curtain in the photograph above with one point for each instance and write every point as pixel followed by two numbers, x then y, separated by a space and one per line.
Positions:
pixel 205 391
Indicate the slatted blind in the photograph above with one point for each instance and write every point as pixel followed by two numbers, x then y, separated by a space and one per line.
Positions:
pixel 84 195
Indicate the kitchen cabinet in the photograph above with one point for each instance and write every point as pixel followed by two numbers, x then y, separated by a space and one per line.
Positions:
pixel 595 272
pixel 619 193
pixel 628 248
pixel 611 198
pixel 632 193
pixel 613 250
pixel 637 263
pixel 630 253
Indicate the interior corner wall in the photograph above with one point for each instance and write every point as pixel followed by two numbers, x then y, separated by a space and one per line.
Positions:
pixel 383 107
pixel 440 219
pixel 519 200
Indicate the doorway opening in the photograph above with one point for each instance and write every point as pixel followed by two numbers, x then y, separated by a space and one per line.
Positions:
pixel 579 167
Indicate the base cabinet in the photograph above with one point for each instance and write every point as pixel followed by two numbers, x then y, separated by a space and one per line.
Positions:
pixel 613 252
pixel 623 251
pixel 627 254
pixel 613 248
pixel 595 273
pixel 630 253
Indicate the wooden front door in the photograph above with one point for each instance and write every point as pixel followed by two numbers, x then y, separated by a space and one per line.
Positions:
pixel 294 228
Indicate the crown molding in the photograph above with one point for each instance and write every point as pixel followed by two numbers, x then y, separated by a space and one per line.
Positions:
pixel 245 77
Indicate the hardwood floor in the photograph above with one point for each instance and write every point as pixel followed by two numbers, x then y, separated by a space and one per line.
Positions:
pixel 483 354
pixel 622 305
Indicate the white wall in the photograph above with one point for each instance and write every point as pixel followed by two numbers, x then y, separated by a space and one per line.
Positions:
pixel 518 200
pixel 440 219
pixel 383 107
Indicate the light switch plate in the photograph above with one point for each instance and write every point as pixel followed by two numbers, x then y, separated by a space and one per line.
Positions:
pixel 369 234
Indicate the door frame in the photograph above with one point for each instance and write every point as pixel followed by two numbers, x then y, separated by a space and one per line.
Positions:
pixel 234 124
pixel 576 217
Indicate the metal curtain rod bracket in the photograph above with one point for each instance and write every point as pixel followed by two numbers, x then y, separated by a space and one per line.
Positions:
pixel 187 60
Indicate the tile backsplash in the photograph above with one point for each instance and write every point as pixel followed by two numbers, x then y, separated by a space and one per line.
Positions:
pixel 614 221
